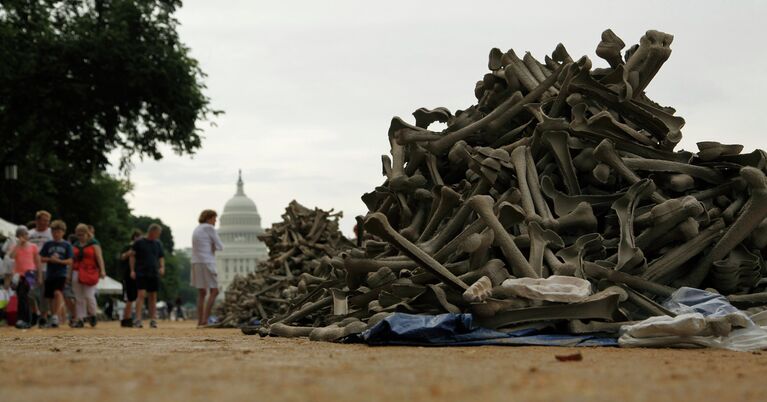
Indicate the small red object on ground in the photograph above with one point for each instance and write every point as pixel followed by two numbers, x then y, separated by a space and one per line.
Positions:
pixel 575 357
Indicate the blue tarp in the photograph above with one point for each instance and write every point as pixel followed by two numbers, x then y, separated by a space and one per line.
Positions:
pixel 459 330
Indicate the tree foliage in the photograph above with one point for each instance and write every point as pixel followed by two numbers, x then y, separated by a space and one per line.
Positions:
pixel 80 79
pixel 83 80
pixel 187 293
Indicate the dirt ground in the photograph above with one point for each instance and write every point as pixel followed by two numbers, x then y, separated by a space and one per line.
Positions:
pixel 181 363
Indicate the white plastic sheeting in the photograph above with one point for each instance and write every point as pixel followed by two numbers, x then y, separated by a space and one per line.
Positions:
pixel 564 289
pixel 703 319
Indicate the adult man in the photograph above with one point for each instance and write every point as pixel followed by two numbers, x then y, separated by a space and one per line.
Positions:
pixel 57 254
pixel 129 284
pixel 41 233
pixel 147 264
pixel 38 236
pixel 205 243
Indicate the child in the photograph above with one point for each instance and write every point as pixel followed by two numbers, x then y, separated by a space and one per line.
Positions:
pixel 57 253
pixel 39 233
pixel 87 269
pixel 26 269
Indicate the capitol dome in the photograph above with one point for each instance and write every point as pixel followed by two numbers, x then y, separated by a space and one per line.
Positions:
pixel 240 226
pixel 240 202
pixel 240 220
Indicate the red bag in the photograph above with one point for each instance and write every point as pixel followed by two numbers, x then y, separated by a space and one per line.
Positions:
pixel 12 310
pixel 88 272
pixel 88 275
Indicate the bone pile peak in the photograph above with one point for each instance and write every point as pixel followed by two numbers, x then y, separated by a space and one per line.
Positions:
pixel 559 169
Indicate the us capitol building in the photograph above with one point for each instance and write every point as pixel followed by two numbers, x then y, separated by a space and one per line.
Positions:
pixel 239 226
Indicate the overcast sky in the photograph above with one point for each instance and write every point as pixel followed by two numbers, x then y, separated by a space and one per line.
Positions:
pixel 309 87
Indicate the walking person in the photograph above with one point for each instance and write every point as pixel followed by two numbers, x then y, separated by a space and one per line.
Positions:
pixel 70 302
pixel 205 243
pixel 87 269
pixel 147 265
pixel 130 292
pixel 109 309
pixel 92 229
pixel 27 275
pixel 179 305
pixel 7 262
pixel 40 234
pixel 57 254
pixel 170 307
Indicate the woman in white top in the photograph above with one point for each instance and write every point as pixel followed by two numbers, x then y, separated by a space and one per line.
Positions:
pixel 205 243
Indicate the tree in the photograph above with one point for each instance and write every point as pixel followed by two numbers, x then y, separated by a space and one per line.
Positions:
pixel 185 290
pixel 81 79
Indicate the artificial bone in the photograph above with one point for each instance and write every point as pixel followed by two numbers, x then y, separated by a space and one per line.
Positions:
pixel 565 289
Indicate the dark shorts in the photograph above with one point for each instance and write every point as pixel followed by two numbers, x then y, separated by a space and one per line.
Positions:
pixel 130 290
pixel 148 283
pixel 54 284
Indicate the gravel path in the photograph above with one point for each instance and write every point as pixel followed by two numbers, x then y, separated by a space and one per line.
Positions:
pixel 180 363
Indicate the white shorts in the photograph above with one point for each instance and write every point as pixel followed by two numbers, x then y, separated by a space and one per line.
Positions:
pixel 204 276
pixel 6 267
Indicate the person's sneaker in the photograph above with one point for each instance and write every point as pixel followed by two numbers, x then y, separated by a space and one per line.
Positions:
pixel 54 322
pixel 78 324
pixel 42 323
pixel 153 324
pixel 126 323
pixel 92 320
pixel 138 324
pixel 22 324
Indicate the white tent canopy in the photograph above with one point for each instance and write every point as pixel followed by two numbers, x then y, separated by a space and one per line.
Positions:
pixel 109 286
pixel 7 229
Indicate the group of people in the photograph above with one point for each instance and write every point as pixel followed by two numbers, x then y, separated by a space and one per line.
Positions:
pixel 55 278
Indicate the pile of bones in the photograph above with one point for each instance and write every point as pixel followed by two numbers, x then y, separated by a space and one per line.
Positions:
pixel 558 197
